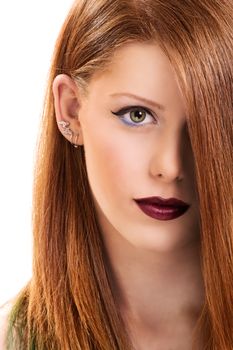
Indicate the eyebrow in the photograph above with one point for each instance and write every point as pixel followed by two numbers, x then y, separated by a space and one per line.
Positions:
pixel 143 99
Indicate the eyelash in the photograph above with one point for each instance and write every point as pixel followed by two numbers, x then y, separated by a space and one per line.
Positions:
pixel 127 109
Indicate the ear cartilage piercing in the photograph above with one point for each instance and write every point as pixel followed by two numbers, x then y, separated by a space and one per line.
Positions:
pixel 64 124
pixel 67 131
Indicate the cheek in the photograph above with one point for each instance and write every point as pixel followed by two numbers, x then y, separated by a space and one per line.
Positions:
pixel 111 162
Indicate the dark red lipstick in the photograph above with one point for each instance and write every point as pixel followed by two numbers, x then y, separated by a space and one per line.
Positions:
pixel 162 209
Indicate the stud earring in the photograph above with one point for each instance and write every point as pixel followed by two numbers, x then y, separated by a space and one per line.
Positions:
pixel 67 131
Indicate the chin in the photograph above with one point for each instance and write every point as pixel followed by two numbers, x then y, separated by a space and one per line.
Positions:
pixel 163 242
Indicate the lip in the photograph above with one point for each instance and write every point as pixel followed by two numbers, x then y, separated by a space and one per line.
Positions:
pixel 162 209
pixel 174 202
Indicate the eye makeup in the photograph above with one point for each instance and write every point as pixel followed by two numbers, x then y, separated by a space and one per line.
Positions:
pixel 137 112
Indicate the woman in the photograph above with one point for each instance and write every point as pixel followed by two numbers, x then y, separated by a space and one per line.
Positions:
pixel 132 214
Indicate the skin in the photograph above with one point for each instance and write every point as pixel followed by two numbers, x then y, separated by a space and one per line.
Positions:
pixel 154 265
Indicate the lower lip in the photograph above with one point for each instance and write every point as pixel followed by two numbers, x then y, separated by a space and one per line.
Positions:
pixel 162 213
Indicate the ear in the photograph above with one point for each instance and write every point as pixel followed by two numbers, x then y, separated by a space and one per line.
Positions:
pixel 67 104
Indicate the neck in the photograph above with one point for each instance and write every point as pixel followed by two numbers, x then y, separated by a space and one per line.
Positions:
pixel 156 289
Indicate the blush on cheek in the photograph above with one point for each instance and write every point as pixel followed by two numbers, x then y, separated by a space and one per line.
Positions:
pixel 111 160
pixel 107 168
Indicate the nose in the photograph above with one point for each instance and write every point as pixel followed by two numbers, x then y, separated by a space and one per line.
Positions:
pixel 167 161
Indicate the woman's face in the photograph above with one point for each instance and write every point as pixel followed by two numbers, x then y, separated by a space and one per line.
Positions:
pixel 141 152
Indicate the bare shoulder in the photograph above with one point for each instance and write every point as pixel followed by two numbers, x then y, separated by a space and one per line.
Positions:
pixel 4 313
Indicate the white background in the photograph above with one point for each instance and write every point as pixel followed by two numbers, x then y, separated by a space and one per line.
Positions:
pixel 28 31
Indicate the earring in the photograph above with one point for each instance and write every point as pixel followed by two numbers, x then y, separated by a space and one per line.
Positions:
pixel 67 131
pixel 76 138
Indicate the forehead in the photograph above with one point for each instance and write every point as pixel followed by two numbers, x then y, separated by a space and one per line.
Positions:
pixel 135 59
pixel 140 69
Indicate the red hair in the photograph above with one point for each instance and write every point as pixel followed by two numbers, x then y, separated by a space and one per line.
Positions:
pixel 68 303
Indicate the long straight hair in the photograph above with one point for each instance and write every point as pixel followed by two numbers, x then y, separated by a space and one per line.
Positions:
pixel 68 303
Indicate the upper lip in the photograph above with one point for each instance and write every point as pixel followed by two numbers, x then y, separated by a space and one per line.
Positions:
pixel 162 201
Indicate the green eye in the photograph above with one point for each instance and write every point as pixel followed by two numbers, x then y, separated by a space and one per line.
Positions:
pixel 138 115
pixel 134 116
